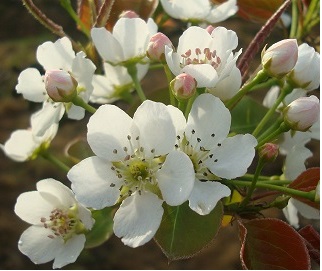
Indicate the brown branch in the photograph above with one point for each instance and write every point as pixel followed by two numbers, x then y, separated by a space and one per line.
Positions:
pixel 104 13
pixel 259 39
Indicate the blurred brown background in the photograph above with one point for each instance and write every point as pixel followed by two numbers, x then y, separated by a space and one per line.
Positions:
pixel 20 35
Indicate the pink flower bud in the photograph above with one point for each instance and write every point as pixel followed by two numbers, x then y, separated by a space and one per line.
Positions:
pixel 302 113
pixel 129 14
pixel 268 152
pixel 306 73
pixel 183 86
pixel 280 58
pixel 60 85
pixel 210 28
pixel 156 46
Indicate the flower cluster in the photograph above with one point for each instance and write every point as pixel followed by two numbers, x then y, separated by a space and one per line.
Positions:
pixel 159 163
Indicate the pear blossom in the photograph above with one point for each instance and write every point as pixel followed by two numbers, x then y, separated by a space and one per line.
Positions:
pixel 58 224
pixel 115 83
pixel 306 73
pixel 128 42
pixel 135 165
pixel 203 137
pixel 209 58
pixel 293 147
pixel 156 46
pixel 200 10
pixel 24 145
pixel 56 56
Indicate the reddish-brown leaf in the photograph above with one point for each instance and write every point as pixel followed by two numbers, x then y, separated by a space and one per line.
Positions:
pixel 307 181
pixel 85 13
pixel 312 241
pixel 269 243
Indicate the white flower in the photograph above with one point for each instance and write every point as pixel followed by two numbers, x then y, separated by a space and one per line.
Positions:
pixel 128 42
pixel 58 224
pixel 115 83
pixel 199 10
pixel 203 137
pixel 56 56
pixel 293 146
pixel 206 57
pixel 306 73
pixel 23 144
pixel 136 163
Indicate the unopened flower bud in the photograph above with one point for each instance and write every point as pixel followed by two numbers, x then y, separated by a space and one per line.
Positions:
pixel 268 152
pixel 60 85
pixel 156 47
pixel 280 58
pixel 183 86
pixel 302 113
pixel 129 14
pixel 306 73
pixel 210 28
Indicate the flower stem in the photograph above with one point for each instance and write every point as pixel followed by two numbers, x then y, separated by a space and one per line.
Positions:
pixel 259 78
pixel 133 72
pixel 259 168
pixel 169 76
pixel 289 191
pixel 49 157
pixel 66 4
pixel 285 91
pixel 282 129
pixel 80 102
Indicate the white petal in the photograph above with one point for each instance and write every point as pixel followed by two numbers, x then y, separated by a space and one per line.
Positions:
pixel 35 243
pixel 91 182
pixel 190 10
pixel 138 219
pixel 205 196
pixel 152 26
pixel 178 119
pixel 107 46
pixel 228 87
pixel 176 178
pixel 210 120
pixel 133 36
pixel 194 37
pixel 31 85
pixel 156 128
pixel 271 96
pixel 223 40
pixel 223 11
pixel 76 112
pixel 32 206
pixel 205 74
pixel 173 60
pixel 233 157
pixel 295 161
pixel 108 129
pixel 58 55
pixel 83 70
pixel 21 145
pixel 306 210
pixel 46 117
pixel 85 216
pixel 57 189
pixel 290 213
pixel 70 251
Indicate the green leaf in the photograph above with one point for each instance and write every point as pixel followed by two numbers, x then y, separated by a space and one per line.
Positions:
pixel 183 233
pixel 246 115
pixel 102 229
pixel 270 243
